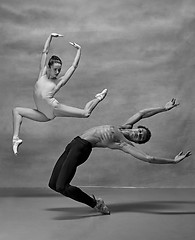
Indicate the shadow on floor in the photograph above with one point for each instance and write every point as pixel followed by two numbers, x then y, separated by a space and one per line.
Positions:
pixel 150 207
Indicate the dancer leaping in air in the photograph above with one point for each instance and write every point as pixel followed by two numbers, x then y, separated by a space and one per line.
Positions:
pixel 47 85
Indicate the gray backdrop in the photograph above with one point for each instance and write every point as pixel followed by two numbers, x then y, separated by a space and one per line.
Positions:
pixel 143 51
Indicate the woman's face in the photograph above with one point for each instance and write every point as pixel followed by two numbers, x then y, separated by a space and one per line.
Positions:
pixel 55 69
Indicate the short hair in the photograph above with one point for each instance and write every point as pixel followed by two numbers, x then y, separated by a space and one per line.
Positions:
pixel 148 135
pixel 54 59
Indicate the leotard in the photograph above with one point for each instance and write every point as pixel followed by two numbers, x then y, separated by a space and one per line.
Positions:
pixel 43 97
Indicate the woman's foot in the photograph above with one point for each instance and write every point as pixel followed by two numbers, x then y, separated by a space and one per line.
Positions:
pixel 16 142
pixel 102 95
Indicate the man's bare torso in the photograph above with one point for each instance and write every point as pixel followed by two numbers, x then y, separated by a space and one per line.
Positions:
pixel 102 136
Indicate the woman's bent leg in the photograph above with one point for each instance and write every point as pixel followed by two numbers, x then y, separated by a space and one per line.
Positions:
pixel 18 114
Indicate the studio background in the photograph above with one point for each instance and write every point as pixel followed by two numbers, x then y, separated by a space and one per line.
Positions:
pixel 143 51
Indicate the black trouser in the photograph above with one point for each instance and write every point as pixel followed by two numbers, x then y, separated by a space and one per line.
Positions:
pixel 76 153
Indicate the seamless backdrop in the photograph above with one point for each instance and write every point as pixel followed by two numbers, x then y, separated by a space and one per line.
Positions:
pixel 143 51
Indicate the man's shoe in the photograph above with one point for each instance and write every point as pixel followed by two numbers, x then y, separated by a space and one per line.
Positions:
pixel 101 206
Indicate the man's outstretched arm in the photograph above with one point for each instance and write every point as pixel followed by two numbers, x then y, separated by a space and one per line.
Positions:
pixel 149 112
pixel 131 149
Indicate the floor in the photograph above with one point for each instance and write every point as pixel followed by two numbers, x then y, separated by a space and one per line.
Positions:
pixel 136 214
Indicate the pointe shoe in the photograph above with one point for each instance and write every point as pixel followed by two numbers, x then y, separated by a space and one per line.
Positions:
pixel 102 95
pixel 16 143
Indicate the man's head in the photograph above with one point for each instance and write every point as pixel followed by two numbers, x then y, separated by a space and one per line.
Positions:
pixel 54 65
pixel 139 135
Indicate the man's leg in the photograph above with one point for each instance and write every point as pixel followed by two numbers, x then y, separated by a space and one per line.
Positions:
pixel 65 170
pixel 57 168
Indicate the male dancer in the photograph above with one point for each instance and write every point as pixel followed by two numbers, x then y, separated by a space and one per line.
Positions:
pixel 107 136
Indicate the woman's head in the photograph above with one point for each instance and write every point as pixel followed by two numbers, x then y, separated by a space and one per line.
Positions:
pixel 54 59
pixel 54 65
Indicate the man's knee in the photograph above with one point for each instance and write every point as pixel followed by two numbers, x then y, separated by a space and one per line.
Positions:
pixel 52 186
pixel 58 188
pixel 65 190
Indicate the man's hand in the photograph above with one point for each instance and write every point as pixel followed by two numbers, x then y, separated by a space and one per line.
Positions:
pixel 56 35
pixel 171 104
pixel 181 156
pixel 77 46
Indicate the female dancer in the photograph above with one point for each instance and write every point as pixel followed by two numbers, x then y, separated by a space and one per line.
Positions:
pixel 47 85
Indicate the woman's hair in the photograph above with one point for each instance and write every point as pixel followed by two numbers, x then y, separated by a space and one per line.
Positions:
pixel 54 59
pixel 147 136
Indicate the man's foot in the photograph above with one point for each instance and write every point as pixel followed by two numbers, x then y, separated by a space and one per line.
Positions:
pixel 101 206
pixel 16 143
pixel 102 95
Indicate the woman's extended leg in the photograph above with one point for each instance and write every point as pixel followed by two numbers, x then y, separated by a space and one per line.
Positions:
pixel 62 110
pixel 18 114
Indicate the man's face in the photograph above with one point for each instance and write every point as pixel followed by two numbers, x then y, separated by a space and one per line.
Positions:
pixel 55 69
pixel 138 134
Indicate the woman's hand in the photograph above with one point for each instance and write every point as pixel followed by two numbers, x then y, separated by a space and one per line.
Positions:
pixel 56 35
pixel 77 46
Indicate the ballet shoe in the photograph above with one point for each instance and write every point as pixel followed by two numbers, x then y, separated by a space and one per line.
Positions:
pixel 102 95
pixel 16 143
